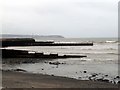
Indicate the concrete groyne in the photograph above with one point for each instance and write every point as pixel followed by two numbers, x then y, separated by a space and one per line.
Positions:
pixel 31 42
pixel 10 53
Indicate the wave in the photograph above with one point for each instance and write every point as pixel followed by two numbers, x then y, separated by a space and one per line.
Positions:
pixel 100 49
pixel 107 41
pixel 103 42
pixel 101 53
pixel 111 41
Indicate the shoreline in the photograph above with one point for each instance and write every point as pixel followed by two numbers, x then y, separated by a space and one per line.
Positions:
pixel 13 79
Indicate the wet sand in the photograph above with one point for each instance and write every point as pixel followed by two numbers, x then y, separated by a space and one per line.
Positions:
pixel 12 79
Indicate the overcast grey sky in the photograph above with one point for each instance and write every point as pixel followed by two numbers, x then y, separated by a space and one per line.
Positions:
pixel 70 18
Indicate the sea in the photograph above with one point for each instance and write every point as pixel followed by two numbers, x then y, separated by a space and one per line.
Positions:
pixel 101 61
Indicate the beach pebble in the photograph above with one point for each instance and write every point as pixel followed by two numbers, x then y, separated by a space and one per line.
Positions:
pixel 106 75
pixel 79 77
pixel 63 63
pixel 52 75
pixel 85 71
pixel 99 79
pixel 117 76
pixel 89 78
pixel 54 63
pixel 45 62
pixel 94 74
pixel 105 80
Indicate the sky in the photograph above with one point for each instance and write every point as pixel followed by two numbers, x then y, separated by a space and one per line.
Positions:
pixel 69 18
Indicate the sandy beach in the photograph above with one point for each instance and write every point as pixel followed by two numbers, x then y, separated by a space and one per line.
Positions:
pixel 12 79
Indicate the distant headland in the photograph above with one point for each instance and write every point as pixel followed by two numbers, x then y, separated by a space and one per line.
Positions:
pixel 29 36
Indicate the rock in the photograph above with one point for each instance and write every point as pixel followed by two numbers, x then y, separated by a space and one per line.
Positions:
pixel 111 81
pixel 106 75
pixel 45 62
pixel 103 80
pixel 20 70
pixel 63 63
pixel 94 74
pixel 50 62
pixel 42 69
pixel 52 75
pixel 89 78
pixel 85 71
pixel 99 79
pixel 54 63
pixel 79 77
pixel 117 76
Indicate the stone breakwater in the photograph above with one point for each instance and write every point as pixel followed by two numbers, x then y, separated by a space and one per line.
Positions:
pixel 10 53
pixel 31 42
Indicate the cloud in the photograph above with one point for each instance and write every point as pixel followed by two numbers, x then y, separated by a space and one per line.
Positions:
pixel 71 18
